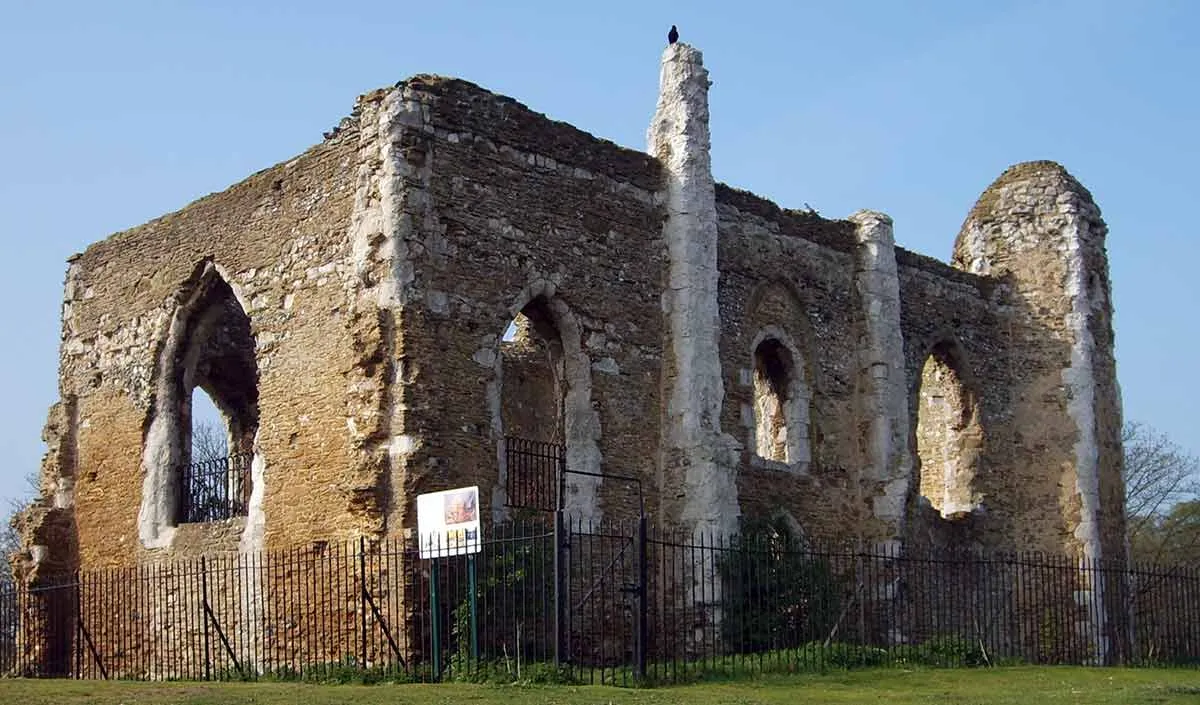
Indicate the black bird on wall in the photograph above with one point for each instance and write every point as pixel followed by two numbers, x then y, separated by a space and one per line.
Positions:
pixel 673 35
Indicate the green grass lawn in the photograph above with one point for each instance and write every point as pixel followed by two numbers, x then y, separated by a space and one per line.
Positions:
pixel 1041 686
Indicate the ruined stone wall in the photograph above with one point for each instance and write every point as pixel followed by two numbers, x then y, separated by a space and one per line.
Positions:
pixel 793 275
pixel 950 314
pixel 790 275
pixel 797 276
pixel 1037 232
pixel 279 239
pixel 367 286
pixel 503 208
pixel 1037 360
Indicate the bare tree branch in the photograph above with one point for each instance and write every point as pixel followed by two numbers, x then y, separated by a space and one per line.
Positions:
pixel 1160 478
pixel 10 540
pixel 209 441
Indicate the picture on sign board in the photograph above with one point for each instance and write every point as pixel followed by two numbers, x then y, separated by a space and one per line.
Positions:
pixel 448 522
pixel 461 506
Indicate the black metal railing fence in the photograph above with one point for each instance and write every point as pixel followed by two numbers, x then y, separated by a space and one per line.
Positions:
pixel 9 622
pixel 613 604
pixel 214 489
pixel 533 470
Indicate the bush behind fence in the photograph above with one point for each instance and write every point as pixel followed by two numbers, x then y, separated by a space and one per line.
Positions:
pixel 544 600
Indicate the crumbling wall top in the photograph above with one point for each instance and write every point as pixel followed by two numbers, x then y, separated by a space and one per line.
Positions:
pixel 984 210
pixel 461 106
pixel 807 225
pixel 836 234
pixel 942 270
pixel 268 189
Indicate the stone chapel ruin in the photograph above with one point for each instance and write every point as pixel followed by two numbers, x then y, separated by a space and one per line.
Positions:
pixel 347 312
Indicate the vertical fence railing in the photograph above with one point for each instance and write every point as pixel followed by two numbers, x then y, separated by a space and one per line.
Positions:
pixel 638 606
pixel 214 489
pixel 9 627
pixel 533 470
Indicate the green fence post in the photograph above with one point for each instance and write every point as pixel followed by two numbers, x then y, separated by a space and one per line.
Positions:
pixel 434 613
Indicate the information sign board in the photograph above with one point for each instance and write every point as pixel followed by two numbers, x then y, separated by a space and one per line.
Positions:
pixel 448 522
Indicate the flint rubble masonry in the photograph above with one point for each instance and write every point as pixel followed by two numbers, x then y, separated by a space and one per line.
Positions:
pixel 379 269
pixel 1037 219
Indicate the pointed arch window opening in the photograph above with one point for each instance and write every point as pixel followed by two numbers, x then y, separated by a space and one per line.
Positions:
pixel 216 402
pixel 532 408
pixel 949 438
pixel 780 406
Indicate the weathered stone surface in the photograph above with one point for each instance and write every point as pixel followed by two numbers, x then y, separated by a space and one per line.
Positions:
pixel 1037 230
pixel 698 460
pixel 740 359
pixel 882 383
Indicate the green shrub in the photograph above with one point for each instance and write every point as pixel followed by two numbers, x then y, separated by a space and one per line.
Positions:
pixel 513 577
pixel 949 651
pixel 775 594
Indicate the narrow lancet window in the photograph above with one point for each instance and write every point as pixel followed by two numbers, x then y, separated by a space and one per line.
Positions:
pixel 948 435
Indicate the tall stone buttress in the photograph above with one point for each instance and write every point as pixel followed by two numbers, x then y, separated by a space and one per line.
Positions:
pixel 883 390
pixel 698 465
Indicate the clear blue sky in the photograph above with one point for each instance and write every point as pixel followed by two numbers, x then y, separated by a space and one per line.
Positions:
pixel 113 113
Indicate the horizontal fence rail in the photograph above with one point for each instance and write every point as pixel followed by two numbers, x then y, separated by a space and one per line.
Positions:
pixel 551 599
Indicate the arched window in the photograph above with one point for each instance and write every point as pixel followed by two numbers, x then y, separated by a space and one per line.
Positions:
pixel 781 403
pixel 532 360
pixel 948 434
pixel 206 396
pixel 772 366
pixel 543 418
pixel 531 407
